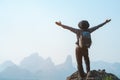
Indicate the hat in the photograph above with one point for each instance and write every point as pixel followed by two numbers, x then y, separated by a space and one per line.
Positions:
pixel 83 24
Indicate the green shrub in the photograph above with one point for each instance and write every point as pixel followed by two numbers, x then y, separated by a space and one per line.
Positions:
pixel 107 78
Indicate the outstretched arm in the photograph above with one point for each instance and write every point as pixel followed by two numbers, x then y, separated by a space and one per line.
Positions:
pixel 100 25
pixel 66 27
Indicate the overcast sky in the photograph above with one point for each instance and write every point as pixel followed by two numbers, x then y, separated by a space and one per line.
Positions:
pixel 27 26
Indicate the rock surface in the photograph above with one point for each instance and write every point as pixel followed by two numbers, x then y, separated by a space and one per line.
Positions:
pixel 94 75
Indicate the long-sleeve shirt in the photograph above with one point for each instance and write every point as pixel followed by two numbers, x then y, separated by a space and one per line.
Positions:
pixel 78 31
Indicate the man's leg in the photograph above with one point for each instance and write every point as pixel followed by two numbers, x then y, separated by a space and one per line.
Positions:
pixel 87 61
pixel 79 61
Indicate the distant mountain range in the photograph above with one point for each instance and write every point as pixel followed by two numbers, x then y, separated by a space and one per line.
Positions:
pixel 109 67
pixel 34 67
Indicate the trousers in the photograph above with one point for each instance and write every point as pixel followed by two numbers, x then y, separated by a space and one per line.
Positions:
pixel 82 53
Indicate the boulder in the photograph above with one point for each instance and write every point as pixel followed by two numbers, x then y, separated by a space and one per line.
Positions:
pixel 94 75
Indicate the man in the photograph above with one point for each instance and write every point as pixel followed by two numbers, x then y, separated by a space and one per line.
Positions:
pixel 80 50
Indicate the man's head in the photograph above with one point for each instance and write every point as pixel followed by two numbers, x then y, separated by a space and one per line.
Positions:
pixel 83 24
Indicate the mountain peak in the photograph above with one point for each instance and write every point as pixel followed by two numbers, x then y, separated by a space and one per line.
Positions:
pixel 35 54
pixel 68 60
pixel 94 75
pixel 6 64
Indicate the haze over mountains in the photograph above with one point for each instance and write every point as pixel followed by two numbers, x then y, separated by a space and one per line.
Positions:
pixel 34 67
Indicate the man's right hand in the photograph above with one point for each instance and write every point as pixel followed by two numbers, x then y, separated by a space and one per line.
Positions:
pixel 108 20
pixel 58 23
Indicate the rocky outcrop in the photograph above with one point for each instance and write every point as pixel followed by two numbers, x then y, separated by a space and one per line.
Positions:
pixel 94 75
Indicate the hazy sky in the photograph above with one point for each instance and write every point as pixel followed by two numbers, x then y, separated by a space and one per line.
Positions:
pixel 27 26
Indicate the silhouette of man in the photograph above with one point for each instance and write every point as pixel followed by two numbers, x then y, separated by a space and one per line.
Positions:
pixel 82 51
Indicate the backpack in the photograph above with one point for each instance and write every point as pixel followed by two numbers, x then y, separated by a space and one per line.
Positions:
pixel 85 39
